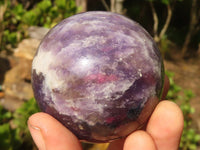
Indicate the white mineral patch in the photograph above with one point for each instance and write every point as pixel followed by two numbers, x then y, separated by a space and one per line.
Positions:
pixel 41 64
pixel 92 40
pixel 42 61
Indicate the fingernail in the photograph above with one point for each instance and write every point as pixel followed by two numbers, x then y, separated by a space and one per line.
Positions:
pixel 37 137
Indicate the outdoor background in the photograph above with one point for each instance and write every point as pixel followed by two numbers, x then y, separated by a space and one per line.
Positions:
pixel 174 24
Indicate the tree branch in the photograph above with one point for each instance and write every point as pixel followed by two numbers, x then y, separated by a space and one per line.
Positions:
pixel 119 6
pixel 2 11
pixel 112 5
pixel 82 4
pixel 105 5
pixel 155 19
pixel 193 21
pixel 167 22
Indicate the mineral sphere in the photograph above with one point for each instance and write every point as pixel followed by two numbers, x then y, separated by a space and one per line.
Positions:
pixel 100 74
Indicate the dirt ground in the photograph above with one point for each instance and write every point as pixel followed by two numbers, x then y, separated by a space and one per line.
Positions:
pixel 187 75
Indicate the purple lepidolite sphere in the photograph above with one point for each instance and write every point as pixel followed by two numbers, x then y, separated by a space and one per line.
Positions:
pixel 100 74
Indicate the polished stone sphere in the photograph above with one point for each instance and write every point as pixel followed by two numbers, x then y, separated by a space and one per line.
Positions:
pixel 100 74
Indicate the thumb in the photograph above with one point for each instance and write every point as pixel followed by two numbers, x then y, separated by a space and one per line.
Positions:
pixel 49 134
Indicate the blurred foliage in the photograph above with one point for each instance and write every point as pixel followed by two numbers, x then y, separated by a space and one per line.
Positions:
pixel 8 136
pixel 20 118
pixel 166 2
pixel 190 137
pixel 5 115
pixel 141 12
pixel 14 134
pixel 16 19
pixel 47 14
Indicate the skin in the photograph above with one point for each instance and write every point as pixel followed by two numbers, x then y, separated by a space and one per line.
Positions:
pixel 162 132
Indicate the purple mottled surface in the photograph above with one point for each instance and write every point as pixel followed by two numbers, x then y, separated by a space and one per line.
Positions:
pixel 100 74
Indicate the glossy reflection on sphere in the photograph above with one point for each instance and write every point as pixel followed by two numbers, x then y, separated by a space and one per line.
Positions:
pixel 100 74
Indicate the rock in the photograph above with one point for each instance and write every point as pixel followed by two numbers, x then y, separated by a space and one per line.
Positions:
pixel 10 103
pixel 27 48
pixel 1 94
pixel 21 90
pixel 17 80
pixel 37 32
pixel 21 71
pixel 100 85
pixel 15 71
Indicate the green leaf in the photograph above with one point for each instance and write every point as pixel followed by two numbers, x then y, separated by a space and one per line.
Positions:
pixel 10 138
pixel 166 2
pixel 60 3
pixel 22 114
pixel 5 115
pixel 30 18
pixel 197 138
pixel 192 110
pixel 5 136
pixel 44 5
pixel 18 10
pixel 192 147
pixel 189 94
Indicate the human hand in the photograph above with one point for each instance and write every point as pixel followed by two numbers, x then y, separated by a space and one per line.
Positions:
pixel 162 132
